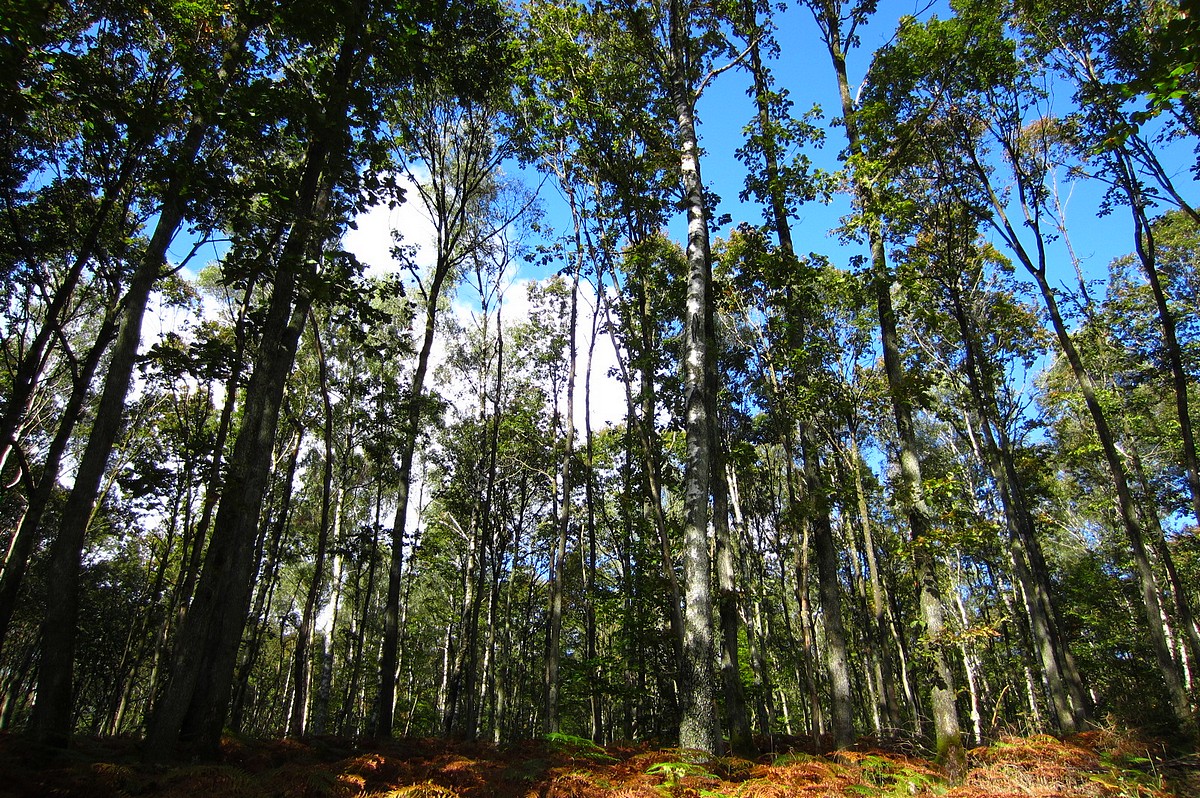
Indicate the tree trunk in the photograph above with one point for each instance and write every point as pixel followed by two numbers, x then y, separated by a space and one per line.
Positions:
pixel 212 488
pixel 950 749
pixel 1022 537
pixel 879 626
pixel 364 597
pixel 558 566
pixel 651 451
pixel 764 710
pixel 268 553
pixel 595 699
pixel 304 634
pixel 1190 642
pixel 194 706
pixel 51 720
pixel 837 658
pixel 29 367
pixel 1126 506
pixel 449 200
pixel 1144 246
pixel 16 562
pixel 699 726
pixel 741 740
pixel 320 710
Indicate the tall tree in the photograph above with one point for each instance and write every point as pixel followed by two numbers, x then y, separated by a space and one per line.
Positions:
pixel 948 254
pixel 456 139
pixel 193 707
pixel 51 720
pixel 781 186
pixel 839 31
pixel 1001 91
pixel 688 33
pixel 1105 53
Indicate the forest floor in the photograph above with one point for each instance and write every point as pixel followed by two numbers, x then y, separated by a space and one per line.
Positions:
pixel 1096 764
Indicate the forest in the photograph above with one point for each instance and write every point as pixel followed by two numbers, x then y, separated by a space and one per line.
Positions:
pixel 885 450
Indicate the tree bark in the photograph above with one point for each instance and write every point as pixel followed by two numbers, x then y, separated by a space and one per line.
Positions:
pixel 837 659
pixel 194 706
pixel 699 727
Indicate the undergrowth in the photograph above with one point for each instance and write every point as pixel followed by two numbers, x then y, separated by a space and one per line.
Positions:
pixel 1096 764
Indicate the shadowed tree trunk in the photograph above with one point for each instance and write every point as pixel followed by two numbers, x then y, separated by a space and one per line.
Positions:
pixel 51 720
pixel 193 707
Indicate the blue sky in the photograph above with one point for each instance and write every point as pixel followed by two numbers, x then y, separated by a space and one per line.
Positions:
pixel 804 68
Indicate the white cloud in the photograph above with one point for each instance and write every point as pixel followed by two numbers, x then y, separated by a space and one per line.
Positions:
pixel 373 240
pixel 608 393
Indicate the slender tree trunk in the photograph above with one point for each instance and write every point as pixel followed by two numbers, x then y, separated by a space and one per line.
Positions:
pixel 193 708
pixel 1145 247
pixel 1128 514
pixel 459 692
pixel 1158 543
pixel 651 451
pixel 20 549
pixel 449 199
pixel 950 749
pixel 499 631
pixel 809 656
pixel 389 657
pixel 364 599
pixel 304 634
pixel 553 645
pixel 741 739
pixel 51 721
pixel 320 710
pixel 872 677
pixel 28 370
pixel 268 553
pixel 212 488
pixel 878 596
pixel 595 699
pixel 764 710
pixel 1022 537
pixel 699 726
pixel 1147 253
pixel 1126 505
pixel 837 659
